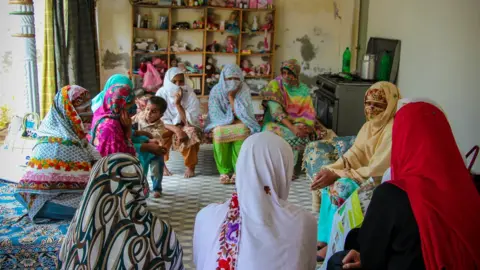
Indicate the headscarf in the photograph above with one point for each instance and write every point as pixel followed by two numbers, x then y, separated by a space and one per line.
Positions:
pixel 189 101
pixel 113 229
pixel 370 154
pixel 107 133
pixel 428 166
pixel 295 100
pixel 97 101
pixel 219 110
pixel 257 228
pixel 62 157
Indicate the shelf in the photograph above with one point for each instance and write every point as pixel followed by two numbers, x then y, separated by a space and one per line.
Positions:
pixel 256 33
pixel 150 53
pixel 255 54
pixel 188 30
pixel 151 6
pixel 222 53
pixel 223 8
pixel 194 75
pixel 151 29
pixel 258 77
pixel 178 53
pixel 187 7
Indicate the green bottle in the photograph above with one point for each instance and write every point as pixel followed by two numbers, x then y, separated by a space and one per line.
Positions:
pixel 385 67
pixel 347 57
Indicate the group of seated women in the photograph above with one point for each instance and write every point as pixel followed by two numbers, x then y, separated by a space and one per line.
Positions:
pixel 413 221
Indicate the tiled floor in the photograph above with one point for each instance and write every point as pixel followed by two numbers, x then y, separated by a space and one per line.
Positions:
pixel 183 198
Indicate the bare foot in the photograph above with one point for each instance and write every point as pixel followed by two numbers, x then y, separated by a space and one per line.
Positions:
pixel 157 194
pixel 189 173
pixel 294 177
pixel 166 172
pixel 224 179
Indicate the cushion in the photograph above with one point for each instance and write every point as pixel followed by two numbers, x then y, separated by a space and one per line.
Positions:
pixel 318 154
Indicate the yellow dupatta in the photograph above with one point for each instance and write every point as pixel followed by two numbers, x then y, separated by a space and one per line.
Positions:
pixel 370 154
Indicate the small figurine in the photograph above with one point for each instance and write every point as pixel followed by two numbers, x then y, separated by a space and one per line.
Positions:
pixel 253 3
pixel 230 44
pixel 246 69
pixel 175 47
pixel 181 67
pixel 210 67
pixel 232 24
pixel 211 25
pixel 230 3
pixel 268 22
pixel 262 4
pixel 173 63
pixel 217 3
pixel 222 26
pixel 195 25
pixel 255 24
pixel 214 47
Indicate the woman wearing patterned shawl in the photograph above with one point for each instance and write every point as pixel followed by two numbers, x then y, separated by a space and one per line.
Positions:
pixel 112 128
pixel 181 119
pixel 231 117
pixel 97 101
pixel 368 157
pixel 113 229
pixel 257 228
pixel 58 170
pixel 289 110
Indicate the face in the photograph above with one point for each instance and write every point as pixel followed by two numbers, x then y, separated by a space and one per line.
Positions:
pixel 375 103
pixel 179 80
pixel 232 83
pixel 82 103
pixel 152 112
pixel 288 77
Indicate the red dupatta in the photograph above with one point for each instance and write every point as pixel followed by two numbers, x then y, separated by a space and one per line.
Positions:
pixel 428 166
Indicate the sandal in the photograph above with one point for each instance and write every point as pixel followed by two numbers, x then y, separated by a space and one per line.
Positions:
pixel 224 179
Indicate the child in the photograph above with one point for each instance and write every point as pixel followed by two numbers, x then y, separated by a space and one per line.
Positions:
pixel 149 122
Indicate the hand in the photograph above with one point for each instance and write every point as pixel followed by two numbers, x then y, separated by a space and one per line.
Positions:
pixel 352 260
pixel 300 131
pixel 144 133
pixel 181 136
pixel 179 97
pixel 158 150
pixel 324 178
pixel 156 141
pixel 126 122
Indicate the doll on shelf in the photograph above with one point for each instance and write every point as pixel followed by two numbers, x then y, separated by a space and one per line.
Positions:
pixel 232 24
pixel 246 68
pixel 230 3
pixel 230 46
pixel 217 3
pixel 211 25
pixel 268 23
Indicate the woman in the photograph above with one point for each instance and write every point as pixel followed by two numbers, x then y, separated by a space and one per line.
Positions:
pixel 423 224
pixel 368 157
pixel 97 101
pixel 231 117
pixel 58 170
pixel 113 229
pixel 112 128
pixel 181 119
pixel 289 110
pixel 257 228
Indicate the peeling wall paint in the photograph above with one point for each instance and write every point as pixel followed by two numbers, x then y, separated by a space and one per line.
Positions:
pixel 315 32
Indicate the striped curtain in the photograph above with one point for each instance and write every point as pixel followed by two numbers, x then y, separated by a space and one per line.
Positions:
pixel 48 75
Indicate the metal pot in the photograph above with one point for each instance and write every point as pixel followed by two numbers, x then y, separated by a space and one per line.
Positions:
pixel 368 67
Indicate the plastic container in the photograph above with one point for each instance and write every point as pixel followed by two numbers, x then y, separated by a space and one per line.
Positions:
pixel 347 57
pixel 385 67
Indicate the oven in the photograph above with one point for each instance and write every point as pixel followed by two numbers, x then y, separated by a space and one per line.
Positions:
pixel 326 106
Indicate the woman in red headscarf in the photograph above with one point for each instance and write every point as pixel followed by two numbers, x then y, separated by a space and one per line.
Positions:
pixel 417 220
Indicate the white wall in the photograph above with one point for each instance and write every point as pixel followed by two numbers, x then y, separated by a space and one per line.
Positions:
pixel 440 56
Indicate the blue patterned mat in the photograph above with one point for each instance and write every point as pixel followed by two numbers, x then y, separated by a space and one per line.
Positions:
pixel 24 244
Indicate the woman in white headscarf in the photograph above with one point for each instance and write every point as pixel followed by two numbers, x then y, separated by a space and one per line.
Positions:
pixel 257 228
pixel 181 119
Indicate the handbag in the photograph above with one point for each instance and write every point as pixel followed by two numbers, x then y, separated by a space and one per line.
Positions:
pixel 21 138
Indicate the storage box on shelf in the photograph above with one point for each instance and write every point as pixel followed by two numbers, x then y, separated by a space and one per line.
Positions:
pixel 197 36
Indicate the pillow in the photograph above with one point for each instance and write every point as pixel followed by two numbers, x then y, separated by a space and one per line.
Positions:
pixel 342 144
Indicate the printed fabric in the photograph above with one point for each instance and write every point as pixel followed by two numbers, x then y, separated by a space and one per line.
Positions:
pixel 107 134
pixel 237 131
pixel 220 111
pixel 113 229
pixel 62 158
pixel 97 101
pixel 157 128
pixel 194 135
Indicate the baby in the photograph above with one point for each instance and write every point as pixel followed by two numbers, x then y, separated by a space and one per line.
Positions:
pixel 150 124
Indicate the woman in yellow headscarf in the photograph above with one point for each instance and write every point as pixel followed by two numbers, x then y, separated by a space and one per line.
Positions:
pixel 368 157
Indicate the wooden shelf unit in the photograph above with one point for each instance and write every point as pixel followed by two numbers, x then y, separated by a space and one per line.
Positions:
pixel 169 54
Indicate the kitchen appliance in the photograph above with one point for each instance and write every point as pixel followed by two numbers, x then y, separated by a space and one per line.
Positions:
pixel 339 102
pixel 368 67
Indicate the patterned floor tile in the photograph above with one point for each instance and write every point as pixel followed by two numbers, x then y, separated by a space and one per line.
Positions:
pixel 183 198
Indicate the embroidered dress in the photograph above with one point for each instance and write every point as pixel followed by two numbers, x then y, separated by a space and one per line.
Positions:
pixel 292 102
pixel 113 229
pixel 230 129
pixel 59 168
